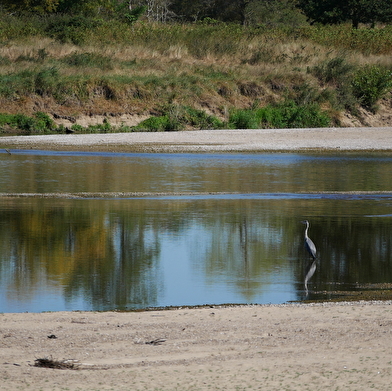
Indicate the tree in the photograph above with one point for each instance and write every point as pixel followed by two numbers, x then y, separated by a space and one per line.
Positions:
pixel 38 6
pixel 272 13
pixel 154 10
pixel 222 10
pixel 73 7
pixel 88 7
pixel 356 11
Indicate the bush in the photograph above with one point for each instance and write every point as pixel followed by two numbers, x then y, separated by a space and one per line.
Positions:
pixel 333 71
pixel 371 83
pixel 153 124
pixel 43 122
pixel 40 123
pixel 244 119
pixel 177 118
pixel 285 115
pixel 198 119
pixel 72 29
pixel 46 81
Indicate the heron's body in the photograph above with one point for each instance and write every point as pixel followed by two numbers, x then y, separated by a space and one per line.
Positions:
pixel 309 245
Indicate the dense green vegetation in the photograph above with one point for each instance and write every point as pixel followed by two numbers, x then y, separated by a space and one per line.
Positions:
pixel 204 73
pixel 356 11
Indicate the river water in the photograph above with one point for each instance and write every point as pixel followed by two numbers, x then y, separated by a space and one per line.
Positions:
pixel 105 231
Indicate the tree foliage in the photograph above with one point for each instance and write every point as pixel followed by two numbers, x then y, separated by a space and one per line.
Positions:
pixel 272 13
pixel 222 10
pixel 356 11
pixel 250 12
pixel 38 6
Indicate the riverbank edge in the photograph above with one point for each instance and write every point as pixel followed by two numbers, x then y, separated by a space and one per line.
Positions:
pixel 370 139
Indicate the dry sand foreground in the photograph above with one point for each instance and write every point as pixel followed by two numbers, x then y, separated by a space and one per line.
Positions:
pixel 337 139
pixel 290 347
pixel 344 346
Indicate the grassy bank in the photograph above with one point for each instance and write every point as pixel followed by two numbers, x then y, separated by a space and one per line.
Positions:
pixel 189 76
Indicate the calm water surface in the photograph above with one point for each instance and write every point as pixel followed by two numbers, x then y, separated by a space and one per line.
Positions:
pixel 235 237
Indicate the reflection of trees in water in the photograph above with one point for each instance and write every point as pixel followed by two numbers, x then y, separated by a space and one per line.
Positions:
pixel 245 246
pixel 108 256
pixel 108 252
pixel 126 274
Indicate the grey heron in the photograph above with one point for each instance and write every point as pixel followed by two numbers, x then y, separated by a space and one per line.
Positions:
pixel 309 245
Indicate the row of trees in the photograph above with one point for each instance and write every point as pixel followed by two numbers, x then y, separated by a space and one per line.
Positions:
pixel 357 11
pixel 240 11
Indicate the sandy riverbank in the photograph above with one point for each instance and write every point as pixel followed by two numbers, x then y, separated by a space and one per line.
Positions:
pixel 289 347
pixel 337 139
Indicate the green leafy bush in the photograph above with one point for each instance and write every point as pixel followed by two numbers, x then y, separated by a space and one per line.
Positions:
pixel 154 124
pixel 198 118
pixel 333 71
pixel 177 118
pixel 72 29
pixel 131 16
pixel 285 115
pixel 39 123
pixel 46 81
pixel 244 119
pixel 371 83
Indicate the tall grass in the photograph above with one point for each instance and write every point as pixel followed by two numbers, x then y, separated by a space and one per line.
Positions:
pixel 365 40
pixel 92 65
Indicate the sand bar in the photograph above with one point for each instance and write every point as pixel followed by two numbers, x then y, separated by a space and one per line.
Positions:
pixel 320 139
pixel 330 346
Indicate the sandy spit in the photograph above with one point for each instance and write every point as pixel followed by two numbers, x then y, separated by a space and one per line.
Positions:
pixel 330 346
pixel 319 139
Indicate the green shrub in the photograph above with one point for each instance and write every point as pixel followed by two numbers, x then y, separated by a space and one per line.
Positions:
pixel 333 71
pixel 177 118
pixel 244 119
pixel 46 81
pixel 153 124
pixel 371 83
pixel 337 74
pixel 44 122
pixel 39 123
pixel 6 119
pixel 72 29
pixel 163 123
pixel 133 15
pixel 285 115
pixel 197 119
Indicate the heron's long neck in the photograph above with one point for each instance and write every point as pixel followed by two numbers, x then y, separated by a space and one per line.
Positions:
pixel 306 230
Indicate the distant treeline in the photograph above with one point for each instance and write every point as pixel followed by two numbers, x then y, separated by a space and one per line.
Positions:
pixel 245 12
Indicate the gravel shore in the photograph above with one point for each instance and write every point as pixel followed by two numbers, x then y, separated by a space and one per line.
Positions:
pixel 261 140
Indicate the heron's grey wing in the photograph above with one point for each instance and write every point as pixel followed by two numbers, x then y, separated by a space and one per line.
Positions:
pixel 310 247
